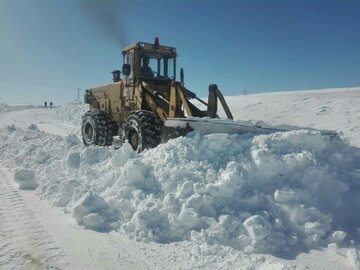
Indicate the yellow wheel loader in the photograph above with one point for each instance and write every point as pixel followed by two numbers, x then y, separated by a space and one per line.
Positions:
pixel 146 105
pixel 137 105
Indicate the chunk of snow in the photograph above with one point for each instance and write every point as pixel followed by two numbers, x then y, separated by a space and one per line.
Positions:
pixel 73 160
pixel 316 227
pixel 185 190
pixel 353 256
pixel 93 212
pixel 273 266
pixel 230 223
pixel 72 139
pixel 41 157
pixel 333 247
pixel 11 128
pixel 26 179
pixel 93 155
pixel 121 156
pixel 136 174
pixel 32 127
pixel 282 196
pixel 148 217
pixel 337 237
pixel 19 159
pixel 189 217
pixel 94 221
pixel 257 227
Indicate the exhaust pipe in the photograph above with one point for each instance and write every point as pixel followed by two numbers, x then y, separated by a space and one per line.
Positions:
pixel 116 75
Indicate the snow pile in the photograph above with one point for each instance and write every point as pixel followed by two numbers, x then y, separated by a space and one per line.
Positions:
pixel 265 193
pixel 71 113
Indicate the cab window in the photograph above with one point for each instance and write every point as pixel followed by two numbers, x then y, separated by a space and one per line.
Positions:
pixel 160 66
pixel 129 59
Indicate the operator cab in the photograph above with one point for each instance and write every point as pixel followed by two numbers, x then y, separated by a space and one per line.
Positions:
pixel 148 62
pixel 157 67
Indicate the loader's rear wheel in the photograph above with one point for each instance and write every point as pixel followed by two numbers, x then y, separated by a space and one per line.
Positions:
pixel 142 129
pixel 97 128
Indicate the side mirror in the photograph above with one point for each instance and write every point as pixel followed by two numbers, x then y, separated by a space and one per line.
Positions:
pixel 126 69
pixel 182 76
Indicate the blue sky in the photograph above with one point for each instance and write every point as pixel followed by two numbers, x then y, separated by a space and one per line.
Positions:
pixel 50 48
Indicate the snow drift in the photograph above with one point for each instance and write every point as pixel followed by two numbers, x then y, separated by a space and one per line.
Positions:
pixel 263 193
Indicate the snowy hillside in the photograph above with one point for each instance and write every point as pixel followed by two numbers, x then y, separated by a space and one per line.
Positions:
pixel 15 107
pixel 277 201
pixel 335 109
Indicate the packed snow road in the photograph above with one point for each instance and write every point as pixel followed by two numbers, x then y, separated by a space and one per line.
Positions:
pixel 60 121
pixel 24 241
pixel 216 202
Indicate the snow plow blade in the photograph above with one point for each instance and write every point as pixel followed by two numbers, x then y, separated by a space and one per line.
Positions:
pixel 175 127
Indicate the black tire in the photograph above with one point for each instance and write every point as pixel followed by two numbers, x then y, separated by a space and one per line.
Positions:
pixel 142 130
pixel 97 128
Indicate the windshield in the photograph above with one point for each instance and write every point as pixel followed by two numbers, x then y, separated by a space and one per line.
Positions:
pixel 157 66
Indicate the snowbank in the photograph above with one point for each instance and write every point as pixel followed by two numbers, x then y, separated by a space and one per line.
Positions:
pixel 15 107
pixel 71 113
pixel 267 193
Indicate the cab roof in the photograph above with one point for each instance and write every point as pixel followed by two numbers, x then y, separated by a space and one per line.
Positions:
pixel 153 48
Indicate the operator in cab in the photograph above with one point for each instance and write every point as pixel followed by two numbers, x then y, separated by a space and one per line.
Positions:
pixel 145 70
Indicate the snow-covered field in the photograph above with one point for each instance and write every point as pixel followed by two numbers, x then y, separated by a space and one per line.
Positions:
pixel 286 200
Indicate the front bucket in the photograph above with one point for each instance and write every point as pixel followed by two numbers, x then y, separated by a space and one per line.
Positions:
pixel 218 125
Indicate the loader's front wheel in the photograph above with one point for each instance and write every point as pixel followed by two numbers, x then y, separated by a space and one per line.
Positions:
pixel 97 128
pixel 142 130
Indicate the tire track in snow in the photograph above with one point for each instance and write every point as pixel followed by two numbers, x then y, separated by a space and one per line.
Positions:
pixel 24 241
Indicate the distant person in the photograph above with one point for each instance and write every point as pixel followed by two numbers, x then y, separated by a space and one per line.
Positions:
pixel 45 104
pixel 145 70
pixel 51 104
